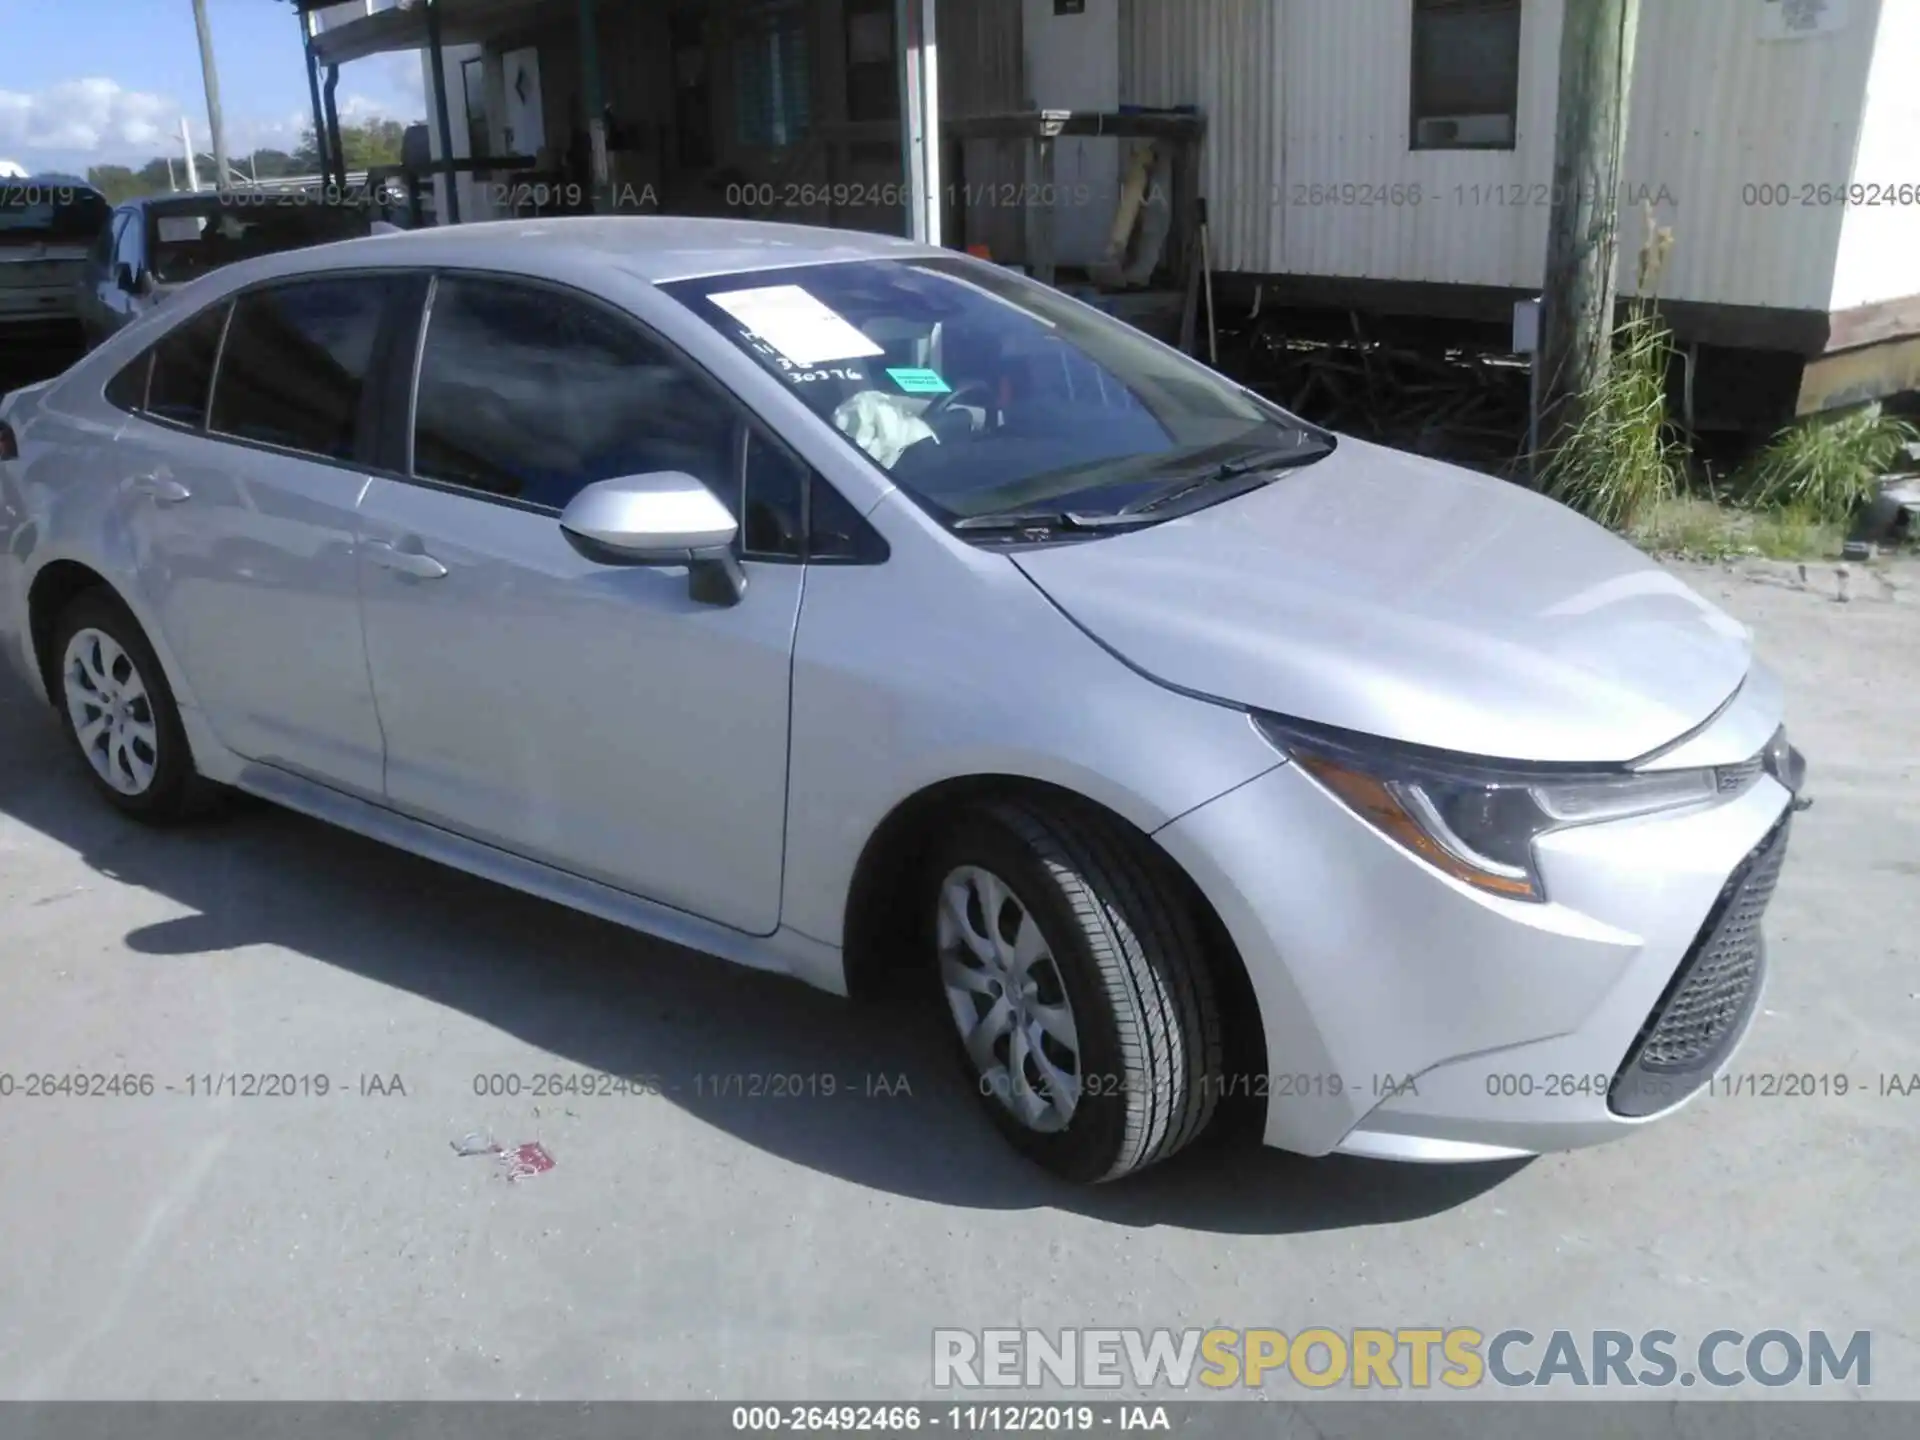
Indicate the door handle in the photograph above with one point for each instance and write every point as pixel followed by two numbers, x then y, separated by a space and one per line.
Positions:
pixel 415 563
pixel 161 490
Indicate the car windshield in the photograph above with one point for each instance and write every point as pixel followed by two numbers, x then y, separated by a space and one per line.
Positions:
pixel 184 244
pixel 50 208
pixel 984 393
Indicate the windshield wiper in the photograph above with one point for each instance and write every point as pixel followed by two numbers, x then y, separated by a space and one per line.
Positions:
pixel 1262 465
pixel 1045 521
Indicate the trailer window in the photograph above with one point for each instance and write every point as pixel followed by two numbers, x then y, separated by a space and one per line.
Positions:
pixel 1466 74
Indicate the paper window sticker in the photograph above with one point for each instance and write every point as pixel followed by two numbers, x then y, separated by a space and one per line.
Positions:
pixel 797 324
pixel 181 229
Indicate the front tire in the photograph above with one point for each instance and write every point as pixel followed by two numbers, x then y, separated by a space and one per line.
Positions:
pixel 119 713
pixel 1067 960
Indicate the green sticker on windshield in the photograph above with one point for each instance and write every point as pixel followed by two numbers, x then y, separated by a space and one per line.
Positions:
pixel 920 382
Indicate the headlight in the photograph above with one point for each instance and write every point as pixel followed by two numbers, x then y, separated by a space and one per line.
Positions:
pixel 1477 820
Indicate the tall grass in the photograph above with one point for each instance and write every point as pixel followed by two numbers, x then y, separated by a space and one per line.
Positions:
pixel 1621 457
pixel 1826 467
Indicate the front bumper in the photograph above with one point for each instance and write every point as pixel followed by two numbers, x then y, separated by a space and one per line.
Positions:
pixel 1408 1016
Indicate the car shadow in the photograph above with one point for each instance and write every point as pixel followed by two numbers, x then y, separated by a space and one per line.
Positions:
pixel 597 996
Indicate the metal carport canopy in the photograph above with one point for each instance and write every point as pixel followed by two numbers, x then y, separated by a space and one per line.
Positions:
pixel 405 26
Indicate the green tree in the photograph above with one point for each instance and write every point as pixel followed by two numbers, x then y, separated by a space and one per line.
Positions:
pixel 116 182
pixel 269 164
pixel 373 142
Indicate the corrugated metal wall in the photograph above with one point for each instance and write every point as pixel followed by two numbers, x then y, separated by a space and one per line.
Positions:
pixel 1309 170
pixel 983 72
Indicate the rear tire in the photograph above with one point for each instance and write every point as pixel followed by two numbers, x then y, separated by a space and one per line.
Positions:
pixel 1076 983
pixel 119 713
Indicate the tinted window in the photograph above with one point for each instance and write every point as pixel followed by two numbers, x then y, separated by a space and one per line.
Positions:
pixel 101 256
pixel 52 208
pixel 529 393
pixel 126 243
pixel 836 530
pixel 183 368
pixel 296 362
pixel 776 496
pixel 128 389
pixel 184 243
pixel 1466 73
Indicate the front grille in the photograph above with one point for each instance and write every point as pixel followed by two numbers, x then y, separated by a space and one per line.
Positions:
pixel 1706 1004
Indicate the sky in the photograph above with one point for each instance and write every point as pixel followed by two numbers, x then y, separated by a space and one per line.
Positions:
pixel 89 82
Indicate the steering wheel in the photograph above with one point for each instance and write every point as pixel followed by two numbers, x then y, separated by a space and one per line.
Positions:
pixel 946 402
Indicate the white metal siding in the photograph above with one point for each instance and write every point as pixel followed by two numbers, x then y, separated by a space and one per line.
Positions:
pixel 1306 93
pixel 1073 63
pixel 1880 244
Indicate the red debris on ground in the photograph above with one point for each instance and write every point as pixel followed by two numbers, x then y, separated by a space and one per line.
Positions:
pixel 517 1164
pixel 529 1159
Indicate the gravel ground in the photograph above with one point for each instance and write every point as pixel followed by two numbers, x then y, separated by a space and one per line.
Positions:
pixel 685 1244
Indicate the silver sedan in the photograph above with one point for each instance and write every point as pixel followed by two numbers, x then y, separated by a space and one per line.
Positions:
pixel 870 614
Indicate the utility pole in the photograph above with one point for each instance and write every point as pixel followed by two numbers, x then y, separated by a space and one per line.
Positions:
pixel 1576 312
pixel 210 77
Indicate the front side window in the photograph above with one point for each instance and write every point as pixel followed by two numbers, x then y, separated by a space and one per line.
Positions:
pixel 296 362
pixel 531 394
pixel 773 510
pixel 980 392
pixel 100 257
pixel 183 368
pixel 126 243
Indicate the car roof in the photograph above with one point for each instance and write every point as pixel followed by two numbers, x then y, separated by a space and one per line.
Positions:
pixel 654 248
pixel 194 201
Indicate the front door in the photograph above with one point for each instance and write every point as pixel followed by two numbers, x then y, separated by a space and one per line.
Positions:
pixel 245 522
pixel 592 717
pixel 525 123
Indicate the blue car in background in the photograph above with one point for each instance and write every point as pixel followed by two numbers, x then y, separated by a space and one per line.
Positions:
pixel 150 247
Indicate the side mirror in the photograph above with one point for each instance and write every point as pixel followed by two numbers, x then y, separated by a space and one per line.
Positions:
pixel 664 518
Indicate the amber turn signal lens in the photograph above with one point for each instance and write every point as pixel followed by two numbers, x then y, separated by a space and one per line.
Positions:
pixel 1375 803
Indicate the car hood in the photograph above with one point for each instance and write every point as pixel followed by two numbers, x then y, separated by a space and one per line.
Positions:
pixel 1385 593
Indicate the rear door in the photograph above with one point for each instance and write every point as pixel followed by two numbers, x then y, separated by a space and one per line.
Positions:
pixel 243 508
pixel 594 717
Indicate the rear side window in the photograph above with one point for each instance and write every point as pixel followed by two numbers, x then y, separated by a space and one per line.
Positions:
pixel 295 365
pixel 183 369
pixel 128 389
pixel 528 393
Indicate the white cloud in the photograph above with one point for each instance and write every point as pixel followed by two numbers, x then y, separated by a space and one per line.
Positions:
pixel 92 121
pixel 405 80
pixel 94 118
